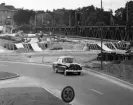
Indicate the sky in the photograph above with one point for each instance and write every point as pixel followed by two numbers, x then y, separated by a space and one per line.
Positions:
pixel 68 4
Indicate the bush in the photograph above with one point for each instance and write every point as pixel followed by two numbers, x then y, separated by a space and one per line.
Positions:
pixel 120 70
pixel 56 47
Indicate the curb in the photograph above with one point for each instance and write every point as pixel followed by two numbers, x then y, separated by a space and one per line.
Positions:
pixel 10 77
pixel 109 76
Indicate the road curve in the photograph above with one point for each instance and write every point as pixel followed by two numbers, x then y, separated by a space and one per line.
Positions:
pixel 89 89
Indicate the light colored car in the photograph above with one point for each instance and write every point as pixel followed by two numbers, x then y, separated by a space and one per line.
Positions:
pixel 67 64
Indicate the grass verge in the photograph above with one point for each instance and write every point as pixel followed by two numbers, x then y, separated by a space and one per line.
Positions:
pixel 7 75
pixel 121 70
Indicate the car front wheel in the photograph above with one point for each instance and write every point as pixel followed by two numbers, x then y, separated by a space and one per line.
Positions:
pixel 65 73
pixel 79 73
pixel 55 69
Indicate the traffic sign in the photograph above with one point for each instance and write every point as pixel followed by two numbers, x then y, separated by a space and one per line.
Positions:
pixel 68 94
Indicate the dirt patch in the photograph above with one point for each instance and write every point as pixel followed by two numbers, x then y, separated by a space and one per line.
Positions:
pixel 69 45
pixel 23 50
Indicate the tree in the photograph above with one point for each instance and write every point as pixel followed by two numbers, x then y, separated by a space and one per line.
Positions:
pixel 96 17
pixel 86 12
pixel 120 16
pixel 129 6
pixel 23 16
pixel 66 18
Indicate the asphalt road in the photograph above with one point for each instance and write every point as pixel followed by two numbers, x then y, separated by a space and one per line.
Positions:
pixel 89 89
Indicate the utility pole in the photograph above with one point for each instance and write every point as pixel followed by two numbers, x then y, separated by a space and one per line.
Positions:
pixel 76 23
pixel 127 12
pixel 69 20
pixel 128 25
pixel 101 37
pixel 35 19
pixel 101 4
pixel 111 18
pixel 42 18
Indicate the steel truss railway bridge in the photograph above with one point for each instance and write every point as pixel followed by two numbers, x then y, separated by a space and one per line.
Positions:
pixel 107 32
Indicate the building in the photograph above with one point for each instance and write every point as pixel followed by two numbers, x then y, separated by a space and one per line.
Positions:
pixel 6 16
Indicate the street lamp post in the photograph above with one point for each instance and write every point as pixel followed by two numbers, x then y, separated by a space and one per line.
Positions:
pixel 127 12
pixel 101 39
pixel 35 18
pixel 42 19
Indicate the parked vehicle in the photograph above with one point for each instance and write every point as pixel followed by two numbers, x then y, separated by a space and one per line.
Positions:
pixel 67 64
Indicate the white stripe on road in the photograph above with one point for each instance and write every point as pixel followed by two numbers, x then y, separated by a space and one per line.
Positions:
pixel 96 91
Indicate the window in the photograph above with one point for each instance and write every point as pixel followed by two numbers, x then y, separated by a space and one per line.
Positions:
pixel 68 60
pixel 59 60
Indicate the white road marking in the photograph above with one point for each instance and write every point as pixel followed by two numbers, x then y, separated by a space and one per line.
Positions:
pixel 96 91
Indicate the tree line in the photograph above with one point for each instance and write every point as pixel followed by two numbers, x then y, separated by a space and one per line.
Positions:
pixel 85 16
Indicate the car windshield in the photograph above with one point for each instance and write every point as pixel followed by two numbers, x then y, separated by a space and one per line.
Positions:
pixel 69 60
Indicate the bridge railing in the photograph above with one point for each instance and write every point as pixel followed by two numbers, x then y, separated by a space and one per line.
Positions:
pixel 108 32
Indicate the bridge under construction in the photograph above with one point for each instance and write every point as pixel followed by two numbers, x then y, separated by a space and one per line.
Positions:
pixel 95 32
pixel 109 35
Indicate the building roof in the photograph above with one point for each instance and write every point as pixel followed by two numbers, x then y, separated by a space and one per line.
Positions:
pixel 10 7
pixel 3 8
pixel 6 7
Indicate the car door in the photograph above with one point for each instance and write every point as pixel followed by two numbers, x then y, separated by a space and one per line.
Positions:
pixel 60 65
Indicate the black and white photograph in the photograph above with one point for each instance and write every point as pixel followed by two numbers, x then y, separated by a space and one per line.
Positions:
pixel 66 52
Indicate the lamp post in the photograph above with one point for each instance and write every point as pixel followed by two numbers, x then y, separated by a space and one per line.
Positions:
pixel 101 38
pixel 42 19
pixel 35 18
pixel 69 20
pixel 76 23
pixel 127 12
